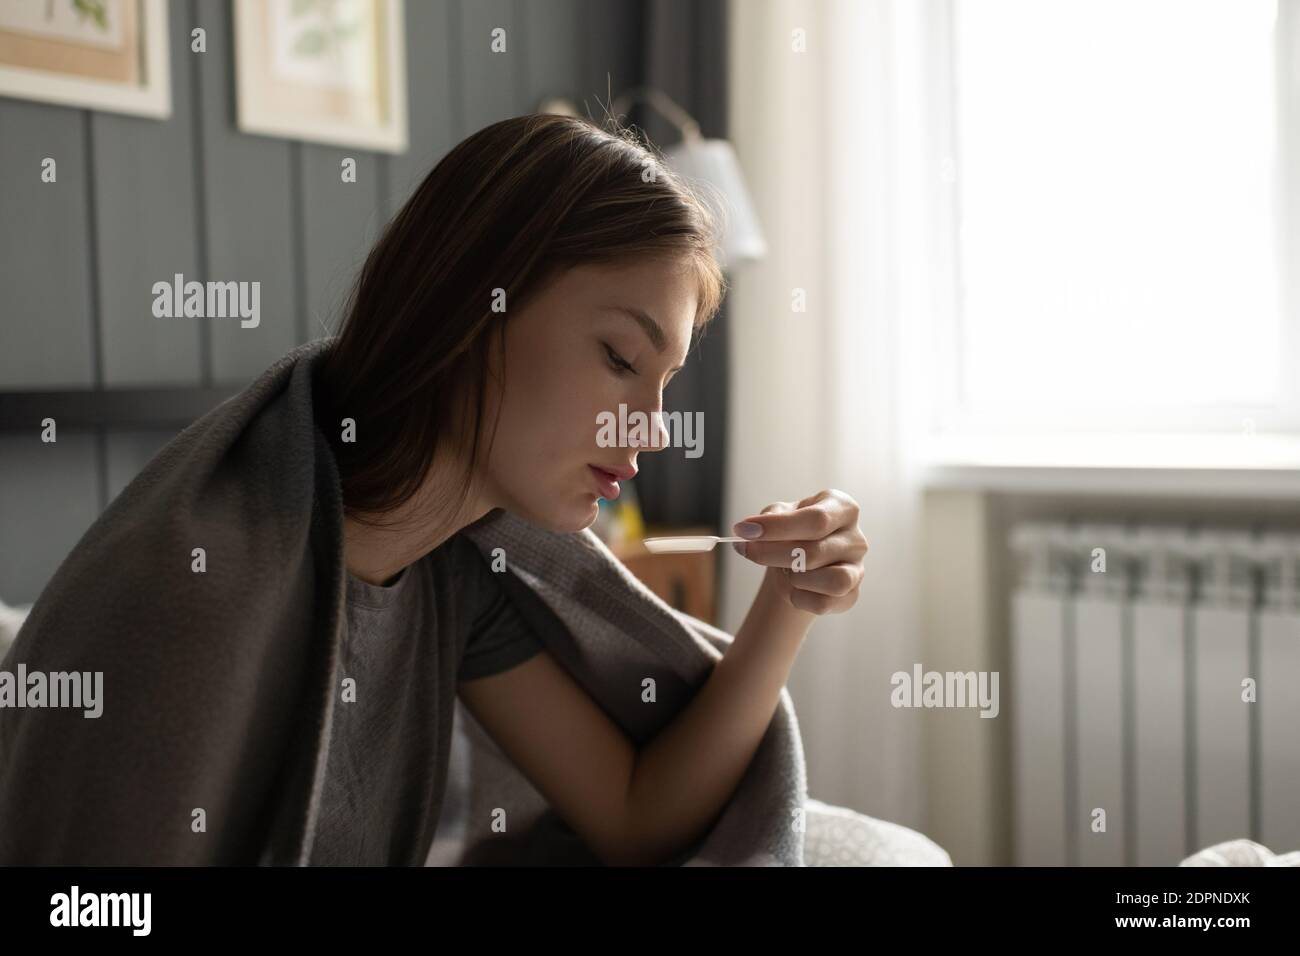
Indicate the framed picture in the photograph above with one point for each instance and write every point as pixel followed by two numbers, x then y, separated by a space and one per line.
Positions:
pixel 327 71
pixel 97 54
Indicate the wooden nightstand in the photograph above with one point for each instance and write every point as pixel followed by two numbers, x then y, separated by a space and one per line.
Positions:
pixel 686 582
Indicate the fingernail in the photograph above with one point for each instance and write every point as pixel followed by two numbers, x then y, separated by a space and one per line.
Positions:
pixel 749 529
pixel 739 546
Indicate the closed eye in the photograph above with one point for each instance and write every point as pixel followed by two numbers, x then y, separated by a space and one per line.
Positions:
pixel 618 362
pixel 622 366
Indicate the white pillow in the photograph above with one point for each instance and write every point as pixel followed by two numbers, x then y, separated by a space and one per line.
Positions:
pixel 838 836
pixel 1241 853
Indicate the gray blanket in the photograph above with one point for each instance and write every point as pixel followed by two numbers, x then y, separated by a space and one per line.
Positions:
pixel 218 683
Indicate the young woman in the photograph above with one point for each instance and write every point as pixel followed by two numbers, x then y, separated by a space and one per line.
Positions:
pixel 546 271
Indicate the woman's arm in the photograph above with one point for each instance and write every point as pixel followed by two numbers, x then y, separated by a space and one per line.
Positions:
pixel 645 807
pixel 684 777
pixel 642 808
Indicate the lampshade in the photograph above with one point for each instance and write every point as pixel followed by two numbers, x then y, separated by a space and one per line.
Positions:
pixel 710 167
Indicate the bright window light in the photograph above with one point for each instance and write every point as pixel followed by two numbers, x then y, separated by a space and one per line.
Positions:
pixel 1116 198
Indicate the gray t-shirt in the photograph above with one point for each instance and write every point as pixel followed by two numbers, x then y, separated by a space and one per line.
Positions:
pixel 444 619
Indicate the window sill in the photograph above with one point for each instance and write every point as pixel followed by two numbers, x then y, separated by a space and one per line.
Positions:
pixel 1233 465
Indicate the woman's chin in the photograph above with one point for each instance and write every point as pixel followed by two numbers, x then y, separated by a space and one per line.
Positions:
pixel 586 516
pixel 567 519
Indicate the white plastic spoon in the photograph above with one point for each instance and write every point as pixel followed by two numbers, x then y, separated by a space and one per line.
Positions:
pixel 693 543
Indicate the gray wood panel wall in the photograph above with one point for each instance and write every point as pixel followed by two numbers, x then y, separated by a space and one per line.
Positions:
pixel 138 200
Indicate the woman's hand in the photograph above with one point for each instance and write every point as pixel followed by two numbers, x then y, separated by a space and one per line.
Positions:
pixel 813 550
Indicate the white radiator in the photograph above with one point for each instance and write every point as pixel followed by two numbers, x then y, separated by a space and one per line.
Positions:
pixel 1126 692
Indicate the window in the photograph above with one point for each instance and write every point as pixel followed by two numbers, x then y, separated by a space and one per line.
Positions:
pixel 1120 210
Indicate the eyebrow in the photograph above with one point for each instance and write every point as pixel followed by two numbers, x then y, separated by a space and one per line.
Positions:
pixel 653 330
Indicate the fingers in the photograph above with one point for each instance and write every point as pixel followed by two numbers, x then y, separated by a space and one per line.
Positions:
pixel 822 603
pixel 812 518
pixel 846 544
pixel 817 543
pixel 834 580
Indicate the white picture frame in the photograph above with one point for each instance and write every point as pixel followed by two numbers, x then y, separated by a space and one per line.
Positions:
pixel 287 86
pixel 140 47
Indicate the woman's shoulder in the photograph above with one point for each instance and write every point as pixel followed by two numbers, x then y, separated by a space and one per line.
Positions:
pixel 467 569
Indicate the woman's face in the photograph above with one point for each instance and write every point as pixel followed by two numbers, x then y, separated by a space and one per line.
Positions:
pixel 564 367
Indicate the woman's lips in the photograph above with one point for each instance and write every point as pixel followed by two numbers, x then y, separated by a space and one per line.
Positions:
pixel 606 482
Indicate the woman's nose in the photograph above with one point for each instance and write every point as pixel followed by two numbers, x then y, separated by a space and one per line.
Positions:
pixel 656 431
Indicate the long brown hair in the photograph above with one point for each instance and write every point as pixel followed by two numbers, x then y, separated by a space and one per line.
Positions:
pixel 508 208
